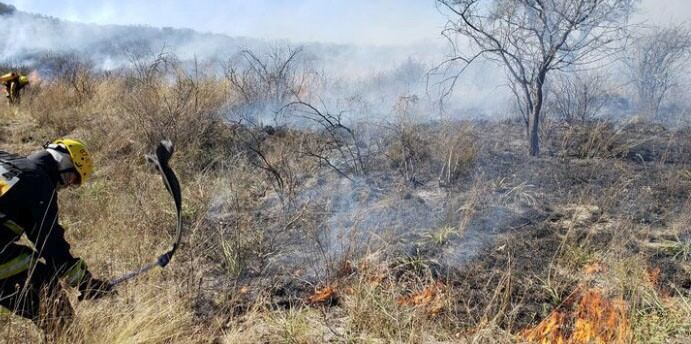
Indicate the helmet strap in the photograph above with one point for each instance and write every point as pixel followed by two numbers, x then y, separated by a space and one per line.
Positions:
pixel 66 171
pixel 59 148
pixel 62 157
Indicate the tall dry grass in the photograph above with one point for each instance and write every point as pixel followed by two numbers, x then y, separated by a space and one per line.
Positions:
pixel 511 241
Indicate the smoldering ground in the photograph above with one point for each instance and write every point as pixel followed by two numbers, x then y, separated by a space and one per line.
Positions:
pixel 301 179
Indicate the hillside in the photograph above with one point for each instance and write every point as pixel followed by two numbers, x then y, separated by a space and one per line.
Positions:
pixel 29 36
pixel 432 232
pixel 329 198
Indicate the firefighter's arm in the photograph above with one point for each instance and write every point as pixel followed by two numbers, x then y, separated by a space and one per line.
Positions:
pixel 48 237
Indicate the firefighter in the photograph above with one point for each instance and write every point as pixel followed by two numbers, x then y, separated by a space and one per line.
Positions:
pixel 14 82
pixel 28 205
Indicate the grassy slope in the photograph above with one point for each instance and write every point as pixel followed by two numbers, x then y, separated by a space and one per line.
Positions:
pixel 507 242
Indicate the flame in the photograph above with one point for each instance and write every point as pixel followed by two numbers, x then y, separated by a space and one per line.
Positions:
pixel 34 77
pixel 323 295
pixel 430 298
pixel 600 320
pixel 595 320
pixel 549 331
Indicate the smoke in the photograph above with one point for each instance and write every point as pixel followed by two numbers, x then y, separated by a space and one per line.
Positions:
pixel 375 75
pixel 110 47
pixel 363 81
pixel 377 84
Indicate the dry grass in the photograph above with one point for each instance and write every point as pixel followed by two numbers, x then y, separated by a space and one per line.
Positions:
pixel 444 233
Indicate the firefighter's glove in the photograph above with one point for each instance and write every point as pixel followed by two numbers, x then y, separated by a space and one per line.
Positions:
pixel 95 289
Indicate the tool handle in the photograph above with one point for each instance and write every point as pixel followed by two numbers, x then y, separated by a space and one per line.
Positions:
pixel 162 261
pixel 130 275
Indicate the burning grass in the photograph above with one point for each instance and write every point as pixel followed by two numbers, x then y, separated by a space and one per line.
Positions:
pixel 591 318
pixel 427 233
pixel 325 295
pixel 431 299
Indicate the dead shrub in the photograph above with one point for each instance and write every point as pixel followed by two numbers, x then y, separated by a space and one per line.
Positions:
pixel 456 151
pixel 163 100
pixel 408 146
pixel 55 108
pixel 421 151
pixel 593 140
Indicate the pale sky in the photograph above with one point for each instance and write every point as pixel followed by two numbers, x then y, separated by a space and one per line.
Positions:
pixel 336 21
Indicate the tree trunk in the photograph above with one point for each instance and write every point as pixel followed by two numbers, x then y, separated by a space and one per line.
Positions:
pixel 534 139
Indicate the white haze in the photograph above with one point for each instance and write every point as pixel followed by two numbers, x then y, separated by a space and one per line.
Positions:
pixel 372 72
pixel 377 75
pixel 111 46
pixel 377 22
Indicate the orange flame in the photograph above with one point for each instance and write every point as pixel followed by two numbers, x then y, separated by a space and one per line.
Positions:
pixel 595 320
pixel 324 295
pixel 549 331
pixel 430 298
pixel 34 77
pixel 600 320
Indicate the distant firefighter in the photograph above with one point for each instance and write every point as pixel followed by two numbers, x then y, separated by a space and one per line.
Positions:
pixel 14 82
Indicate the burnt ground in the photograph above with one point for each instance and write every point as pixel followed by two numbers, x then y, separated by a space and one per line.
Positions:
pixel 509 238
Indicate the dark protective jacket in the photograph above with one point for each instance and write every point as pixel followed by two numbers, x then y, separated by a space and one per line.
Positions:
pixel 31 205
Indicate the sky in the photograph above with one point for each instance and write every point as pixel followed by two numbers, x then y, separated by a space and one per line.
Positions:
pixel 335 21
pixel 375 22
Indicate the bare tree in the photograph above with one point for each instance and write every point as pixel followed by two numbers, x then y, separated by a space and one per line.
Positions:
pixel 262 86
pixel 579 97
pixel 656 61
pixel 77 72
pixel 340 148
pixel 264 83
pixel 531 38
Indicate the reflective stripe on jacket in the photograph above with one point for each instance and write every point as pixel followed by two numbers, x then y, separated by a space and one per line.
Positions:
pixel 30 207
pixel 16 265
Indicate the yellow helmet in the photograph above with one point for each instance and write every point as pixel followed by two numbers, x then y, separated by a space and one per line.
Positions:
pixel 23 79
pixel 80 157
